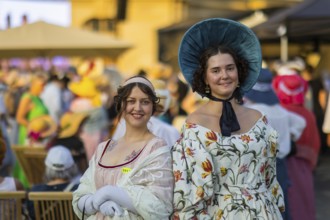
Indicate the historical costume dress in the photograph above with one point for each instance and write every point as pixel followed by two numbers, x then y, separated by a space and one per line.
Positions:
pixel 147 178
pixel 218 177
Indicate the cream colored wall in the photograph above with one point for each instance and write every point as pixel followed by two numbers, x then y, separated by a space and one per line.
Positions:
pixel 143 19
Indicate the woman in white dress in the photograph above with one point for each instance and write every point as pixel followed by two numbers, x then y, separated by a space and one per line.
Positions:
pixel 129 178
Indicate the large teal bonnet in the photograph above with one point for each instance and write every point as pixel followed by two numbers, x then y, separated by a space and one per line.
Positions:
pixel 220 31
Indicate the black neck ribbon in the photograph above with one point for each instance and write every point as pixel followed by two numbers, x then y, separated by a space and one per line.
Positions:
pixel 228 121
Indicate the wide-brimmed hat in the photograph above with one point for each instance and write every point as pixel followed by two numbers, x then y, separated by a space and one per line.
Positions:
pixel 290 89
pixel 59 158
pixel 220 31
pixel 86 88
pixel 70 123
pixel 262 91
pixel 42 127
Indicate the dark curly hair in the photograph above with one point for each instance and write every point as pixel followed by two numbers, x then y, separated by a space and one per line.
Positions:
pixel 198 83
pixel 124 91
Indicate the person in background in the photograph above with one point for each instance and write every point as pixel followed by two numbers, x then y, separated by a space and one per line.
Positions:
pixel 7 183
pixel 288 124
pixel 225 161
pixel 88 99
pixel 60 174
pixel 158 127
pixel 8 161
pixel 30 107
pixel 129 178
pixel 290 90
pixel 40 131
pixel 52 96
pixel 69 136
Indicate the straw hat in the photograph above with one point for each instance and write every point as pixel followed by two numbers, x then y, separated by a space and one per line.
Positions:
pixel 42 127
pixel 70 123
pixel 86 88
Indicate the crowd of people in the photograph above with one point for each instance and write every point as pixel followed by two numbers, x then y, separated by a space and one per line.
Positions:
pixel 224 139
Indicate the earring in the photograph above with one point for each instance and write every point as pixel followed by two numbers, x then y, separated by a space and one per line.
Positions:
pixel 207 89
pixel 238 85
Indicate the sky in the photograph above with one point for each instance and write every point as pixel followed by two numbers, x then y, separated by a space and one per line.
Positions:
pixel 55 12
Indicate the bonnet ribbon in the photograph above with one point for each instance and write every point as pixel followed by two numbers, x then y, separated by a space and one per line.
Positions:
pixel 228 121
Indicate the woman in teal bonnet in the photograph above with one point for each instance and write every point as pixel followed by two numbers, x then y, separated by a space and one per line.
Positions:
pixel 224 165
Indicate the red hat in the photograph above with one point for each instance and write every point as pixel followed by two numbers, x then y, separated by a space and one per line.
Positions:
pixel 290 89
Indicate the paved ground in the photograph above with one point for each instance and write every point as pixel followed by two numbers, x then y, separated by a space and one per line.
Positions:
pixel 322 188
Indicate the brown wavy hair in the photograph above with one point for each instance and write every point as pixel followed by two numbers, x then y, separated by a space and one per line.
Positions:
pixel 124 91
pixel 198 83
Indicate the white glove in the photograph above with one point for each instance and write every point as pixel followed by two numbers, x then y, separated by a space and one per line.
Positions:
pixel 110 208
pixel 87 201
pixel 113 193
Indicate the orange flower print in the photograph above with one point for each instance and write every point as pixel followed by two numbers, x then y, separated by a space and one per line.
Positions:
pixel 177 175
pixel 246 138
pixel 219 214
pixel 211 138
pixel 190 125
pixel 282 209
pixel 200 192
pixel 189 151
pixel 207 167
pixel 223 171
pixel 211 135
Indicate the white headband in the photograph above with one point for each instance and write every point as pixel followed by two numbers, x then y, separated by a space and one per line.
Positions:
pixel 138 79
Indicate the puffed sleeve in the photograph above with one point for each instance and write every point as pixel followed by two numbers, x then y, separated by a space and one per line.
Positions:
pixel 86 185
pixel 271 179
pixel 150 184
pixel 193 168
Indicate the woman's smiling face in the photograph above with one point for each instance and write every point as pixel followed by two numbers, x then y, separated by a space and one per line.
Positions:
pixel 138 108
pixel 222 75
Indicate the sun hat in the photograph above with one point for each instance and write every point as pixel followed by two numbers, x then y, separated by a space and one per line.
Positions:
pixel 220 31
pixel 262 91
pixel 70 123
pixel 290 89
pixel 59 158
pixel 41 127
pixel 86 88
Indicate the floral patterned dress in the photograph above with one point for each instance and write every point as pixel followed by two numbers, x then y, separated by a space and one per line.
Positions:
pixel 219 177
